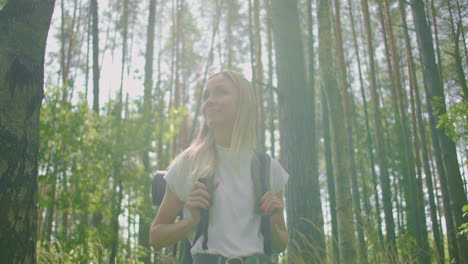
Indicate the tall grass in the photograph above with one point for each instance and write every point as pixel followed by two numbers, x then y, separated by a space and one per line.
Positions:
pixel 93 251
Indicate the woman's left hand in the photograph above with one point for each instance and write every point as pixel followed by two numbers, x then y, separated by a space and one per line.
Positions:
pixel 271 204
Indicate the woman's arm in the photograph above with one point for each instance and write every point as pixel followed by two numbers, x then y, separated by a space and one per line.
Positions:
pixel 164 232
pixel 272 204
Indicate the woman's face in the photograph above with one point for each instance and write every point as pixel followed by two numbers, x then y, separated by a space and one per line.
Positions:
pixel 220 102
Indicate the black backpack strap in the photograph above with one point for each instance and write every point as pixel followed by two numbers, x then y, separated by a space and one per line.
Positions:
pixel 260 171
pixel 185 255
pixel 204 214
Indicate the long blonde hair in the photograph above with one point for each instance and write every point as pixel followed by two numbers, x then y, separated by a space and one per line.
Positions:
pixel 200 159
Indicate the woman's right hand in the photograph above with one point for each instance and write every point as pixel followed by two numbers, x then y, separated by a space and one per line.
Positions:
pixel 197 198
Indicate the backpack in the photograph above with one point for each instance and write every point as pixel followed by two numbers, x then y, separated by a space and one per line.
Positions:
pixel 260 172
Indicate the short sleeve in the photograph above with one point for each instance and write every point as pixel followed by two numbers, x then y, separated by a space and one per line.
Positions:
pixel 278 177
pixel 178 180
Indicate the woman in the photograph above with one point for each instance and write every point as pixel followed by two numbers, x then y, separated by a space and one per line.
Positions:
pixel 223 150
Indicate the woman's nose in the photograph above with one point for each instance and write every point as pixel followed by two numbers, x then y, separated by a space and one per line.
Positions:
pixel 209 100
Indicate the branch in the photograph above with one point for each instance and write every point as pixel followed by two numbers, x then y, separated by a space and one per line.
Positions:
pixel 401 26
pixel 270 86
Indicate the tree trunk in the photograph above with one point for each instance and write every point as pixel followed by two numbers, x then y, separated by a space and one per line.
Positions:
pixel 368 136
pixel 415 210
pixel 346 235
pixel 384 177
pixel 148 125
pixel 258 81
pixel 335 255
pixel 420 127
pixel 462 30
pixel 303 194
pixel 448 211
pixel 23 34
pixel 88 41
pixel 118 160
pixel 348 118
pixel 96 72
pixel 271 99
pixel 231 8
pixel 436 35
pixel 311 87
pixel 456 55
pixel 436 93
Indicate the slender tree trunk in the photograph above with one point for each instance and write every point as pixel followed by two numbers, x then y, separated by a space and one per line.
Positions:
pixel 143 230
pixel 63 70
pixel 384 177
pixel 258 81
pixel 88 41
pixel 303 194
pixel 176 144
pixel 415 209
pixel 435 90
pixel 456 55
pixel 346 235
pixel 416 110
pixel 66 50
pixel 312 101
pixel 448 211
pixel 348 116
pixel 231 5
pixel 368 132
pixel 21 93
pixel 462 30
pixel 335 255
pixel 96 72
pixel 403 165
pixel 271 98
pixel 116 167
pixel 436 35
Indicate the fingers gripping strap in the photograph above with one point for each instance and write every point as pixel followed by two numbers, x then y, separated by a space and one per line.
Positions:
pixel 204 214
pixel 261 179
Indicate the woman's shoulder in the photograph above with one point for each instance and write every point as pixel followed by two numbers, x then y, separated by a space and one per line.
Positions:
pixel 177 175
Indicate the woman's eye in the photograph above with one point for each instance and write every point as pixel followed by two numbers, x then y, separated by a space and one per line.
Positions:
pixel 221 92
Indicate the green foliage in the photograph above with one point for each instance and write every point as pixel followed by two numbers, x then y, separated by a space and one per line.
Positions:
pixel 78 153
pixel 464 227
pixel 455 122
pixel 3 3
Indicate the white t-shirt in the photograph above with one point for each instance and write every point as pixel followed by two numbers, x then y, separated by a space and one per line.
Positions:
pixel 234 228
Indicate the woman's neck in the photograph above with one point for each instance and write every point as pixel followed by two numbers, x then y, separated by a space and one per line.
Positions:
pixel 223 137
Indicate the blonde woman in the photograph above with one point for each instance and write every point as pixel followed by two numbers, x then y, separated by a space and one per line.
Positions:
pixel 223 150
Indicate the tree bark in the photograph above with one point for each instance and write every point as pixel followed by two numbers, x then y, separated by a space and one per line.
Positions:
pixel 271 98
pixel 258 81
pixel 303 193
pixel 436 35
pixel 345 218
pixel 436 95
pixel 96 71
pixel 368 136
pixel 23 32
pixel 456 55
pixel 335 255
pixel 416 110
pixel 415 210
pixel 148 125
pixel 348 118
pixel 384 177
pixel 118 159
